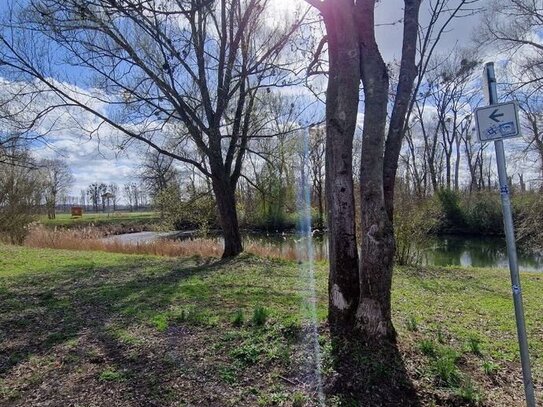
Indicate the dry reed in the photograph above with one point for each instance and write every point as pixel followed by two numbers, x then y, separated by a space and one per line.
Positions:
pixel 271 251
pixel 91 238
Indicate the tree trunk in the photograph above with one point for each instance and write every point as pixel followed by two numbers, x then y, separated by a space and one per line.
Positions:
pixel 457 166
pixel 226 203
pixel 341 113
pixel 402 101
pixel 321 204
pixel 373 317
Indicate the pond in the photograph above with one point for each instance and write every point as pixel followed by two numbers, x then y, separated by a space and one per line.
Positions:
pixel 439 251
pixel 477 252
pixel 464 251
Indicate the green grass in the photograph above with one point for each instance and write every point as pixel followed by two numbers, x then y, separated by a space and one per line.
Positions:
pixel 471 307
pixel 490 368
pixel 238 318
pixel 260 315
pixel 111 375
pixel 150 322
pixel 100 219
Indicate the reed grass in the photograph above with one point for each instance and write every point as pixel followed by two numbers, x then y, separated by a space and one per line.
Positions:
pixel 93 239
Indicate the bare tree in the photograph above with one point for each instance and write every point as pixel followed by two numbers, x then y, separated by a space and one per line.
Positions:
pixel 20 195
pixel 514 27
pixel 452 94
pixel 128 194
pixel 94 193
pixel 428 129
pixel 83 199
pixel 134 195
pixel 181 77
pixel 57 178
pixel 113 189
pixel 531 108
pixel 157 172
pixel 416 166
pixel 316 166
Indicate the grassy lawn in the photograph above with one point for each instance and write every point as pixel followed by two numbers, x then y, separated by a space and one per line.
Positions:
pixel 97 329
pixel 100 219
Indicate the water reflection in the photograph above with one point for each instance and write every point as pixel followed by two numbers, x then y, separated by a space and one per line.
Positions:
pixel 476 252
pixel 440 251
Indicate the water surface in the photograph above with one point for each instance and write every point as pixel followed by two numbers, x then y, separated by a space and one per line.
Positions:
pixel 438 251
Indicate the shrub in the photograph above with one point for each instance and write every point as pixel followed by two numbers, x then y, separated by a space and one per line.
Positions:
pixel 528 216
pixel 414 220
pixel 484 214
pixel 450 205
pixel 20 196
pixel 198 211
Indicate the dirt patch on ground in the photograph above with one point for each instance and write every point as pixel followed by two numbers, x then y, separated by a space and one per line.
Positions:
pixel 185 365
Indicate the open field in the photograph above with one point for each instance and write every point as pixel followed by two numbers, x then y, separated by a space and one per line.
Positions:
pixel 96 329
pixel 101 219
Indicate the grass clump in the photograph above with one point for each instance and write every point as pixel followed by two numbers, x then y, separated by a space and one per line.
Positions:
pixel 260 315
pixel 411 324
pixel 228 374
pixel 490 368
pixel 111 375
pixel 247 354
pixel 440 336
pixel 469 393
pixel 195 316
pixel 474 345
pixel 444 368
pixel 238 319
pixel 427 347
pixel 160 322
pixel 298 399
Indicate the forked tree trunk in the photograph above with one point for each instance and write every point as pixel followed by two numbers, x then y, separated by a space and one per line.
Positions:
pixel 226 204
pixel 373 318
pixel 341 112
pixel 359 303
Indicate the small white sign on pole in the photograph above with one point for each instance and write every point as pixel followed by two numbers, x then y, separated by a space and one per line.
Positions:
pixel 497 121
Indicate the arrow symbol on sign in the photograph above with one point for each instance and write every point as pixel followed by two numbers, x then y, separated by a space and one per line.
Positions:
pixel 494 115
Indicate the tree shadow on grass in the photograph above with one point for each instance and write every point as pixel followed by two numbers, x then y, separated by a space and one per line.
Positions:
pixel 370 375
pixel 41 311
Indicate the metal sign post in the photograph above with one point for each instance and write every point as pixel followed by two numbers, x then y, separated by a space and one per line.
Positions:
pixel 496 123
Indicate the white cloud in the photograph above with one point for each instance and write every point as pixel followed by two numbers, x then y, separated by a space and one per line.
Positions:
pixel 71 133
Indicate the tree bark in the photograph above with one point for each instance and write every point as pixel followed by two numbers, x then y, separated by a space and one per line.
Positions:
pixel 341 112
pixel 373 317
pixel 226 204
